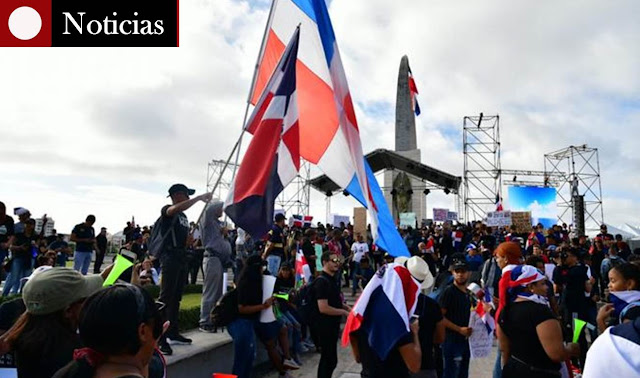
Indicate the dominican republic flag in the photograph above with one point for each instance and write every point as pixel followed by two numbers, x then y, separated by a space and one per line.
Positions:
pixel 616 351
pixel 457 239
pixel 413 90
pixel 303 272
pixel 302 221
pixel 498 203
pixel 621 299
pixel 486 318
pixel 272 159
pixel 384 309
pixel 329 134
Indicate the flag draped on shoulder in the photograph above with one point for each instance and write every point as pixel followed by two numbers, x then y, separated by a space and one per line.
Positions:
pixel 272 159
pixel 329 134
pixel 413 91
pixel 384 309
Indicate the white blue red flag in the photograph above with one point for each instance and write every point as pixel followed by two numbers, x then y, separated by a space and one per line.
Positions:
pixel 486 317
pixel 272 159
pixel 384 309
pixel 413 91
pixel 498 203
pixel 301 221
pixel 303 271
pixel 621 299
pixel 329 135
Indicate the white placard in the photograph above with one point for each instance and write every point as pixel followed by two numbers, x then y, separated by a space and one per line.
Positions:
pixel 481 340
pixel 268 283
pixel 407 219
pixel 225 281
pixel 498 218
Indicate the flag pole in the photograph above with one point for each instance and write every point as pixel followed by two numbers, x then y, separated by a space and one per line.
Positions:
pixel 238 145
pixel 253 84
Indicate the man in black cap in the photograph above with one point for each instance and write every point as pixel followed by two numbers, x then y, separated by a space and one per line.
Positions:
pixel 173 259
pixel 455 304
pixel 274 252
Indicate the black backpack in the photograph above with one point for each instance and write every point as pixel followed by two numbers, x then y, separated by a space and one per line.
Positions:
pixel 155 244
pixel 226 311
pixel 308 304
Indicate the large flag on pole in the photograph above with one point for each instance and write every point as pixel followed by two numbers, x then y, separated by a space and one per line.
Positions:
pixel 329 135
pixel 272 159
pixel 413 91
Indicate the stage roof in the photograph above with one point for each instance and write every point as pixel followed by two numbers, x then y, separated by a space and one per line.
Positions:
pixel 384 159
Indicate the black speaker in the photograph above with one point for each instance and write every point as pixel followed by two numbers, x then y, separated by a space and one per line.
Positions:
pixel 578 215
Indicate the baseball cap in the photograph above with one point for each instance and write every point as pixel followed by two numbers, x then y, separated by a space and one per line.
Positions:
pixel 54 289
pixel 20 211
pixel 36 271
pixel 459 261
pixel 279 217
pixel 177 188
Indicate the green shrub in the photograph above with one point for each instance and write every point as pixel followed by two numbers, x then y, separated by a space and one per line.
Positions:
pixel 189 318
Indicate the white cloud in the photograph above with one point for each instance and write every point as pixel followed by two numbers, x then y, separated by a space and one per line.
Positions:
pixel 106 131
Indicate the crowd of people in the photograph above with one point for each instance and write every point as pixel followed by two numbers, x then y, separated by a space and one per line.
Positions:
pixel 535 285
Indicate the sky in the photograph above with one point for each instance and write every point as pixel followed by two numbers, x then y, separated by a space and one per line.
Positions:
pixel 106 131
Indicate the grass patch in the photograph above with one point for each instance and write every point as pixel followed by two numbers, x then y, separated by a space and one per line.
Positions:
pixel 190 301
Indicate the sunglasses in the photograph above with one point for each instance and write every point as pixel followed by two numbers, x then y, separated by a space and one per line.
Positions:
pixel 336 260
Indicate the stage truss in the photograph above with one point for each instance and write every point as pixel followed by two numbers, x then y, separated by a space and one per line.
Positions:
pixel 214 170
pixel 482 179
pixel 296 197
pixel 579 166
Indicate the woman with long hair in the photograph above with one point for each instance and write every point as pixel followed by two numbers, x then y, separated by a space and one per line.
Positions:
pixel 119 327
pixel 44 336
pixel 530 335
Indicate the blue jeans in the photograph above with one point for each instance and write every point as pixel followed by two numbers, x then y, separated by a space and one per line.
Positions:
pixel 456 359
pixel 293 327
pixel 354 273
pixel 244 346
pixel 497 368
pixel 19 269
pixel 273 264
pixel 81 261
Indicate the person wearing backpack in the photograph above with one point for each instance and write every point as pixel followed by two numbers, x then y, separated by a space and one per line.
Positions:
pixel 174 228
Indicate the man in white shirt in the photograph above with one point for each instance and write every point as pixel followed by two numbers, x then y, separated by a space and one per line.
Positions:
pixel 359 249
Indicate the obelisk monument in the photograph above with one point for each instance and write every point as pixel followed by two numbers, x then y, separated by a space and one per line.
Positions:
pixel 404 194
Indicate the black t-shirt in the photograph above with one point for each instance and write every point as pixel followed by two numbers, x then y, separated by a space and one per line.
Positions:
pixel 101 240
pixel 249 294
pixel 46 366
pixel 25 241
pixel 83 231
pixel 6 229
pixel 374 367
pixel 276 237
pixel 574 288
pixel 325 287
pixel 430 314
pixel 458 306
pixel 180 228
pixel 519 321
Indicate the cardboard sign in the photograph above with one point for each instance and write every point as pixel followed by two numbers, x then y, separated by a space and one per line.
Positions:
pixel 522 221
pixel 360 221
pixel 407 220
pixel 480 341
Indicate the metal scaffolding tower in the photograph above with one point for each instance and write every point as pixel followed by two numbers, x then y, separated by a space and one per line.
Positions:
pixel 482 179
pixel 579 168
pixel 296 197
pixel 214 168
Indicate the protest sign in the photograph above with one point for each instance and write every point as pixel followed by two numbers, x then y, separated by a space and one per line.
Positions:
pixel 452 216
pixel 360 221
pixel 521 220
pixel 268 283
pixel 498 218
pixel 440 215
pixel 481 340
pixel 335 219
pixel 407 220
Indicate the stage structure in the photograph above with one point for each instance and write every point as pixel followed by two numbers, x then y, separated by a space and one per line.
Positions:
pixel 214 169
pixel 295 198
pixel 482 170
pixel 580 187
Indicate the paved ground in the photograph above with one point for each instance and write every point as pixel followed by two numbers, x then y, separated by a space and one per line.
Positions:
pixel 348 368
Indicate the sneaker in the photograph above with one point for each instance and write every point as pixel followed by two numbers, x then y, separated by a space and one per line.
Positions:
pixel 303 348
pixel 290 364
pixel 178 340
pixel 309 344
pixel 165 348
pixel 207 328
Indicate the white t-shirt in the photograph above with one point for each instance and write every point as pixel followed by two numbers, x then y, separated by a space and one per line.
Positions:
pixel 359 249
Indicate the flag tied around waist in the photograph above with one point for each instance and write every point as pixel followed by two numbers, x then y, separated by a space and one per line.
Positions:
pixel 272 159
pixel 384 309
